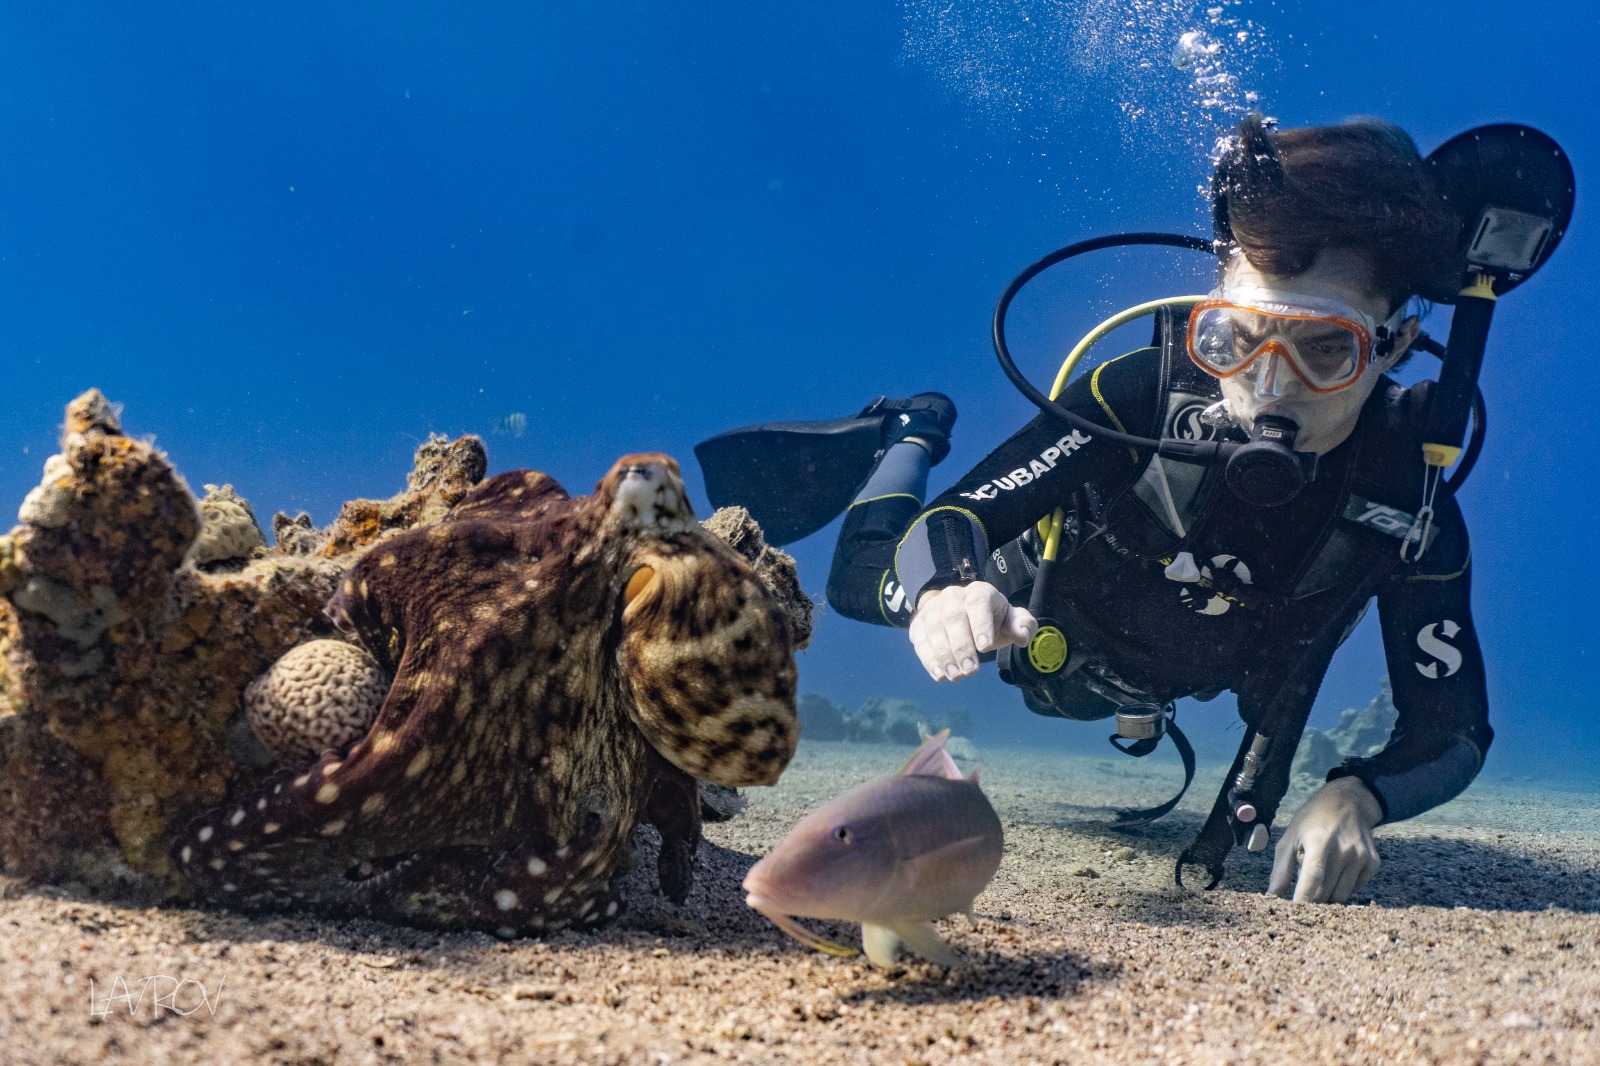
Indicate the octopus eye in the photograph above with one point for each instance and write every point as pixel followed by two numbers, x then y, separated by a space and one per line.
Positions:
pixel 640 581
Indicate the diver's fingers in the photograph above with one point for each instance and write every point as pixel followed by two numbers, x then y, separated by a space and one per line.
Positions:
pixel 1020 625
pixel 1349 875
pixel 1315 882
pixel 923 626
pixel 986 610
pixel 958 628
pixel 1368 868
pixel 1285 863
pixel 935 647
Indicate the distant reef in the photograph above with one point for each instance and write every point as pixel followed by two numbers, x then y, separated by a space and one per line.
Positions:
pixel 1359 733
pixel 133 617
pixel 883 720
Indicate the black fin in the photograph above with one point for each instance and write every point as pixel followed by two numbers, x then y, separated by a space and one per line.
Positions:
pixel 793 477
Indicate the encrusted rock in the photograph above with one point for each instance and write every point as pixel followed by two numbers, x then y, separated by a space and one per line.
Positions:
pixel 820 718
pixel 1359 732
pixel 445 469
pixel 775 568
pixel 229 531
pixel 122 661
pixel 321 694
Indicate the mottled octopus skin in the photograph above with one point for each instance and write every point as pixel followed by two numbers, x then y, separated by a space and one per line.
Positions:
pixel 534 720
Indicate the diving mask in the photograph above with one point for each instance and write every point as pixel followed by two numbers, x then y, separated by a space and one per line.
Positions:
pixel 1324 341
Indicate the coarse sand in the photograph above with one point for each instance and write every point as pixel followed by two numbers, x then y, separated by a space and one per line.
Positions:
pixel 1479 941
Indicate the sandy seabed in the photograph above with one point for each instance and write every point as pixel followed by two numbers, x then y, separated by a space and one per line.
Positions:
pixel 1479 941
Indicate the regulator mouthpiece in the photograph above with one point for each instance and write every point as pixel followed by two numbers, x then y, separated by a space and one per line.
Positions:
pixel 1268 472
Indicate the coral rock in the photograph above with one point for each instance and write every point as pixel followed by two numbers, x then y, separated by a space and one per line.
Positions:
pixel 229 531
pixel 122 663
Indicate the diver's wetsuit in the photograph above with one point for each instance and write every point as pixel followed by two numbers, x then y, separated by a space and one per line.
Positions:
pixel 1277 590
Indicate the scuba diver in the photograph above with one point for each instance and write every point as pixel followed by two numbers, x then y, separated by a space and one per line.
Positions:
pixel 1218 510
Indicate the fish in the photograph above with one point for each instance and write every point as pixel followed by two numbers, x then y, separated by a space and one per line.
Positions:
pixel 514 424
pixel 894 854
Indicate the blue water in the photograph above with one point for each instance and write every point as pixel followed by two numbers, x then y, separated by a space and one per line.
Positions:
pixel 295 238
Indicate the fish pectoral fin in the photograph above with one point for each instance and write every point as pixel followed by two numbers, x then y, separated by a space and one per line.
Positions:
pixel 931 760
pixel 937 864
pixel 880 943
pixel 921 938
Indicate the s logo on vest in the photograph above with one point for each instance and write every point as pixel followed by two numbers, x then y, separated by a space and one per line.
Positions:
pixel 1186 424
pixel 1205 591
pixel 1432 639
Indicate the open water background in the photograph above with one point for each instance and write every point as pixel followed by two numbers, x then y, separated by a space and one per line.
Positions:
pixel 294 239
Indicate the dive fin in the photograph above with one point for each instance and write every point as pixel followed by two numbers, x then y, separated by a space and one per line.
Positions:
pixel 921 938
pixel 931 760
pixel 880 943
pixel 793 477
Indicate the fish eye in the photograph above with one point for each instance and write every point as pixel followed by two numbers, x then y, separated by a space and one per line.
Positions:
pixel 842 834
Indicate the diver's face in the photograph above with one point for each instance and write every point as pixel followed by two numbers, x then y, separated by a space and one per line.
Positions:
pixel 1270 387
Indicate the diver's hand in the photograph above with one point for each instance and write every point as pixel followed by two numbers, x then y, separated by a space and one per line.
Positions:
pixel 1330 844
pixel 953 624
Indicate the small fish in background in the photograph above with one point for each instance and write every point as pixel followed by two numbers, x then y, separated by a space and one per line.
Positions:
pixel 514 424
pixel 893 854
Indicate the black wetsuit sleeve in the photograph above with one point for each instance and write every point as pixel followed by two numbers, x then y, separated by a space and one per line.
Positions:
pixel 1436 672
pixel 1027 477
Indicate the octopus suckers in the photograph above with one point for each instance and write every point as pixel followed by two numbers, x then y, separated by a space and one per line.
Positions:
pixel 205 833
pixel 328 792
pixel 536 865
pixel 333 828
pixel 505 899
pixel 418 763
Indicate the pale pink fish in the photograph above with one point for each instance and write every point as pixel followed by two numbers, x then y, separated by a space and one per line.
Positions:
pixel 893 854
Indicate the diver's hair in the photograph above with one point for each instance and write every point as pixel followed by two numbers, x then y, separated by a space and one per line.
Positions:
pixel 1282 196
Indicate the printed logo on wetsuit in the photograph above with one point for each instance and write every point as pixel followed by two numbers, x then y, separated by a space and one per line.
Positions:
pixel 1036 468
pixel 1187 425
pixel 1432 639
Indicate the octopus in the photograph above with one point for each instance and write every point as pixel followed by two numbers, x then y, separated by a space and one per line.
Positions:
pixel 564 669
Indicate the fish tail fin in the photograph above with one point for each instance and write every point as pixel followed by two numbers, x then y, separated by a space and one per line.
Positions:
pixel 880 942
pixel 921 938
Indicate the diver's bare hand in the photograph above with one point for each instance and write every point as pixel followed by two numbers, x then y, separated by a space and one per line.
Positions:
pixel 1330 844
pixel 952 625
